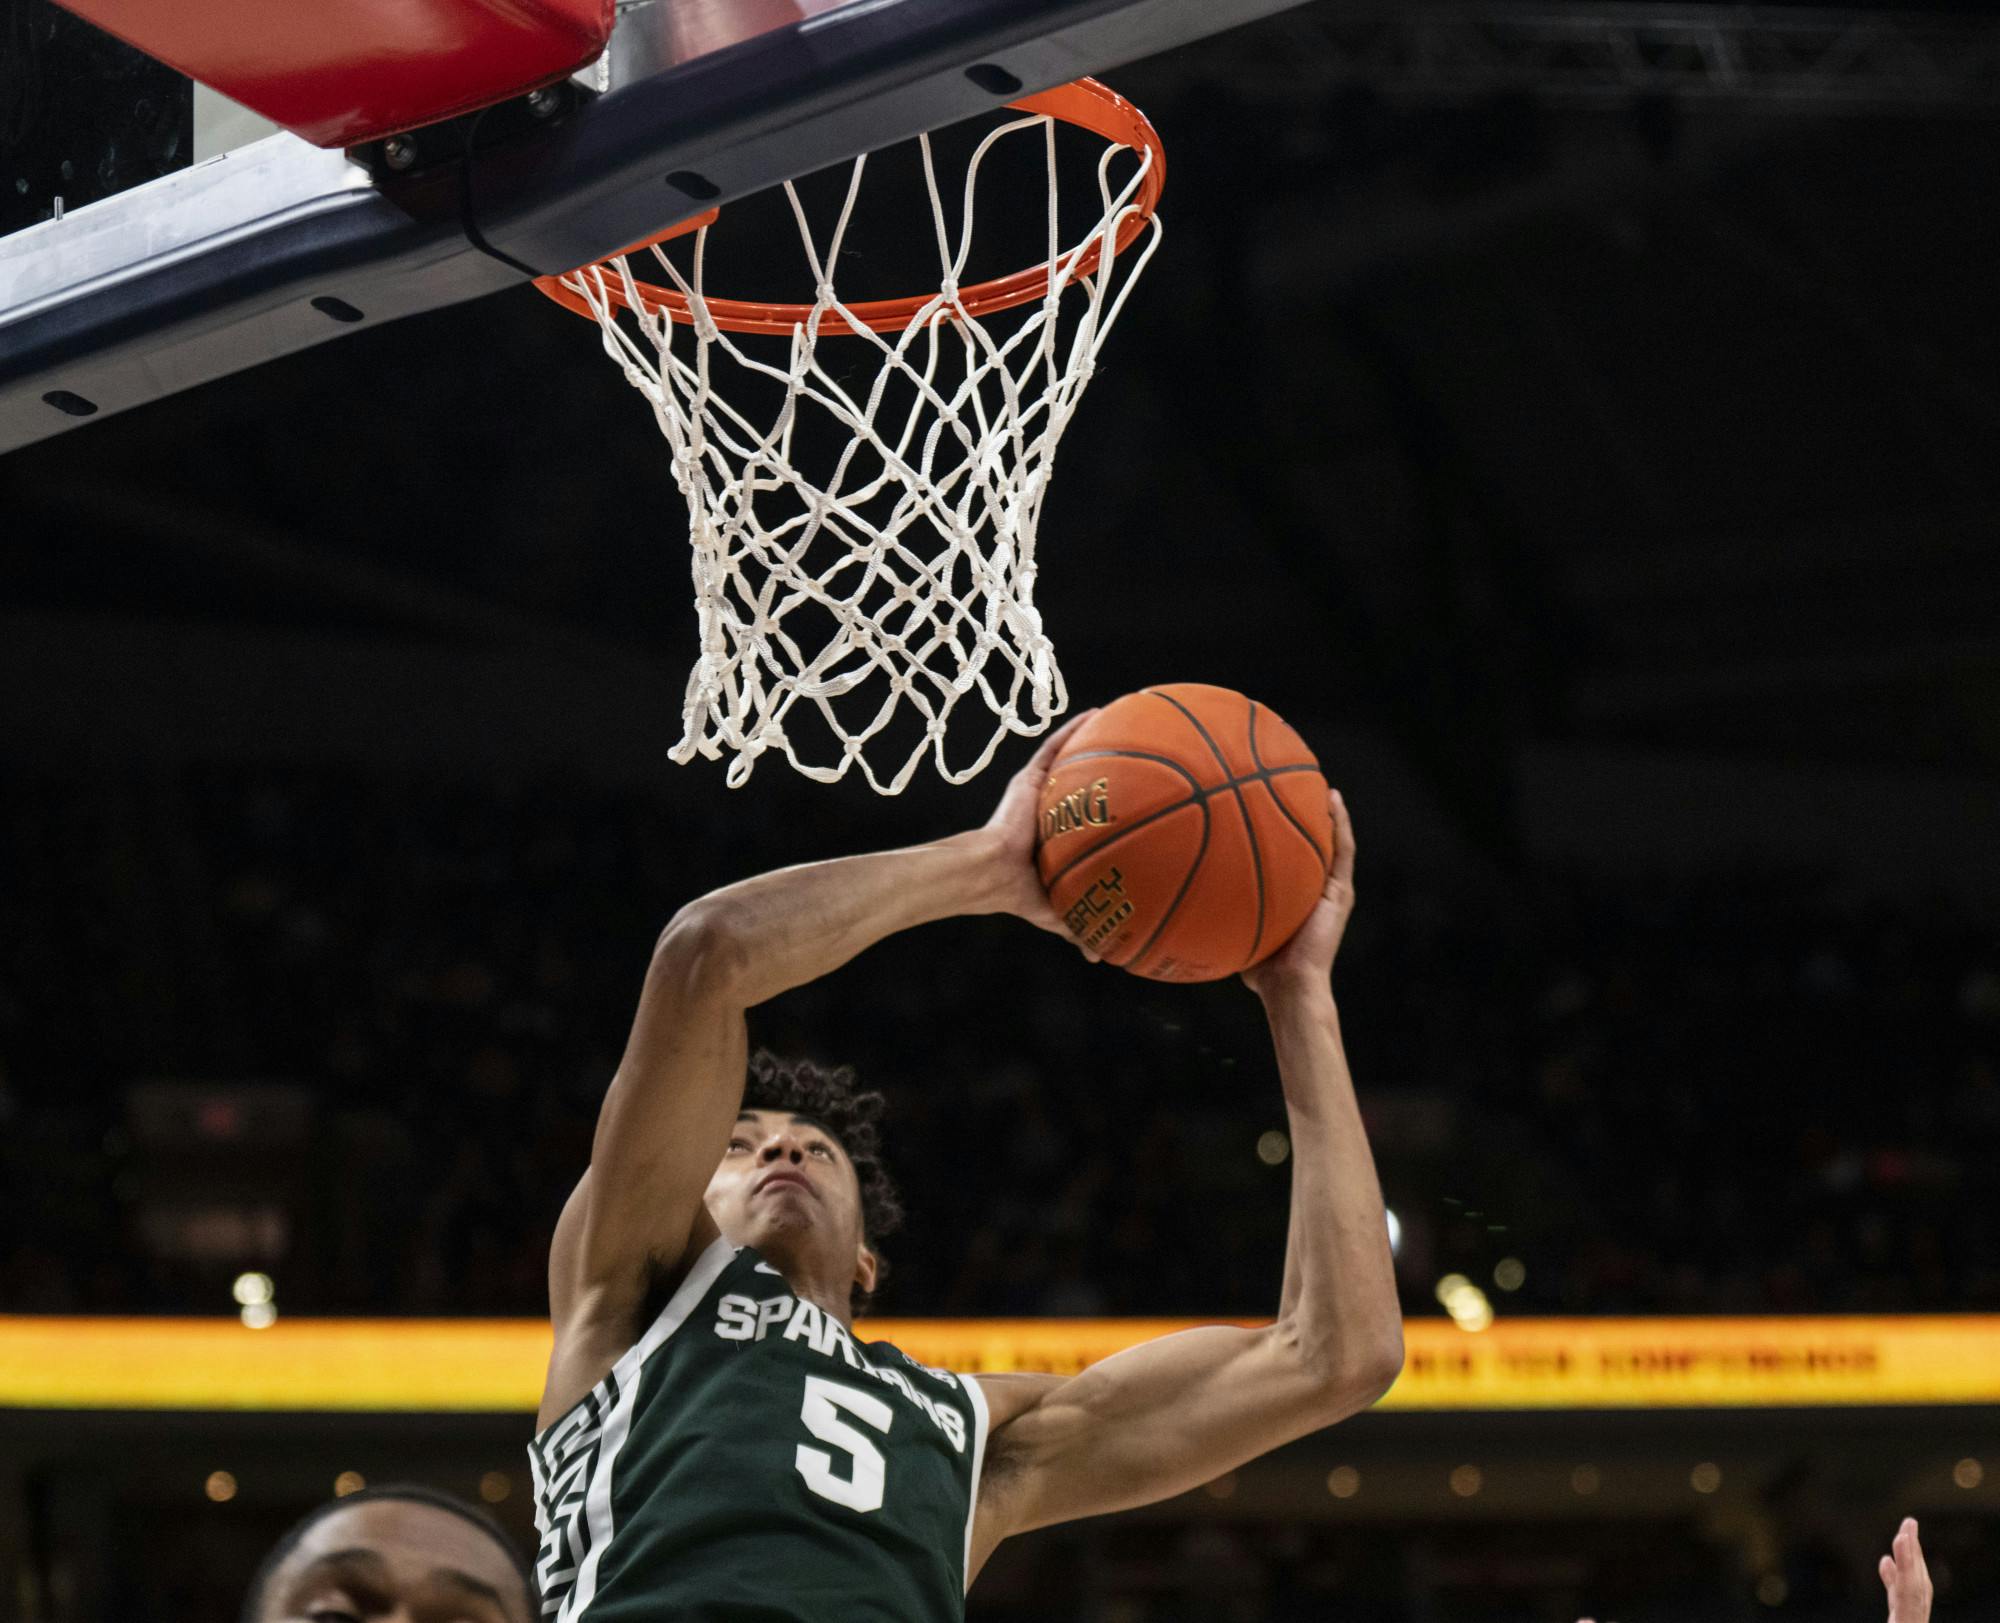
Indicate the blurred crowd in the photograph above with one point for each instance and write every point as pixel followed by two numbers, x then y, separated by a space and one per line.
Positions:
pixel 1754 1093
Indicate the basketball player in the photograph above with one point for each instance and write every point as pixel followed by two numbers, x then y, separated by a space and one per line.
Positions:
pixel 401 1554
pixel 717 1444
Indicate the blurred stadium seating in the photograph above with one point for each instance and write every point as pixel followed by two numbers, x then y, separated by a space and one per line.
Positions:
pixel 1745 1094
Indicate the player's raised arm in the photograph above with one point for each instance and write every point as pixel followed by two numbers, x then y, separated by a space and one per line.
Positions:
pixel 1164 1417
pixel 636 1218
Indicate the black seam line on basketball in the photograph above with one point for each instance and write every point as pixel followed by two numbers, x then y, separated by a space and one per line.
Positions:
pixel 1147 821
pixel 1195 786
pixel 1256 853
pixel 1277 800
pixel 1305 834
pixel 1242 808
pixel 1173 907
pixel 1197 796
pixel 1194 783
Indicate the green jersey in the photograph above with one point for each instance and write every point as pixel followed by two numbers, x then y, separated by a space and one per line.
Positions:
pixel 749 1458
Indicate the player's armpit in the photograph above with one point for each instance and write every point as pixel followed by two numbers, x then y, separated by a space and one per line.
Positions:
pixel 1152 1422
pixel 595 1327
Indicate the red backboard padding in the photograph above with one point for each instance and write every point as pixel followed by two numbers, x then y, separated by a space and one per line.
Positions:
pixel 341 72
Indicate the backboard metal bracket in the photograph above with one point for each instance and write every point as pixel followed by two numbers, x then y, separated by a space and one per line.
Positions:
pixel 273 248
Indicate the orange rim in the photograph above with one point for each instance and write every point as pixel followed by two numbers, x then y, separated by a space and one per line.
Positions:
pixel 1084 102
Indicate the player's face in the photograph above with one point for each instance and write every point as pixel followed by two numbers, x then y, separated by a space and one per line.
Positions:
pixel 394 1561
pixel 787 1187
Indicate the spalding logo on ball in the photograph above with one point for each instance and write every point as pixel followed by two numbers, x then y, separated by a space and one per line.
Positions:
pixel 1185 833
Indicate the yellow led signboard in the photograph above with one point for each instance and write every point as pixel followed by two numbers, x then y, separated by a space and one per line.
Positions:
pixel 496 1365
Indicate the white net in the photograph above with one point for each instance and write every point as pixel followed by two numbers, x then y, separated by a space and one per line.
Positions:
pixel 864 539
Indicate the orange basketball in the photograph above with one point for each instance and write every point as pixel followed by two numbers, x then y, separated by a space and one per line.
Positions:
pixel 1185 833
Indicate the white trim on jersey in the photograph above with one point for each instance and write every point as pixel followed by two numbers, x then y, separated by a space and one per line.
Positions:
pixel 618 1423
pixel 979 1424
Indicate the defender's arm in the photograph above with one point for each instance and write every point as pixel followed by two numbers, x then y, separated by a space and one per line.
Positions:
pixel 1170 1415
pixel 1906 1577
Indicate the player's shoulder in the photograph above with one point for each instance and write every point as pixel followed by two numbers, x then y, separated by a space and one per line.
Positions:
pixel 885 1354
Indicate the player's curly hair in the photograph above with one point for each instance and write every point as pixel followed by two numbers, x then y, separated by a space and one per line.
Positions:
pixel 827 1094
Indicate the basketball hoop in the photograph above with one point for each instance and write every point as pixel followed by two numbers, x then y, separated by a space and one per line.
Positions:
pixel 903 572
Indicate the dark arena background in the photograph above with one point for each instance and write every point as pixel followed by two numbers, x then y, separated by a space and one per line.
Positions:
pixel 1579 421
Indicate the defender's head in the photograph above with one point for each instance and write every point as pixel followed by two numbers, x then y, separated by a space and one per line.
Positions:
pixel 802 1179
pixel 401 1554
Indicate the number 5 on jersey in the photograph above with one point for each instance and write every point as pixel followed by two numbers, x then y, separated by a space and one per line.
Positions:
pixel 861 1488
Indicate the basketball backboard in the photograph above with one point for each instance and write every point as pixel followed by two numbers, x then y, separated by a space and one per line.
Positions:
pixel 276 244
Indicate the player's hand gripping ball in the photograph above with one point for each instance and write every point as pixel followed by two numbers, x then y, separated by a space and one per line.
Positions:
pixel 1184 833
